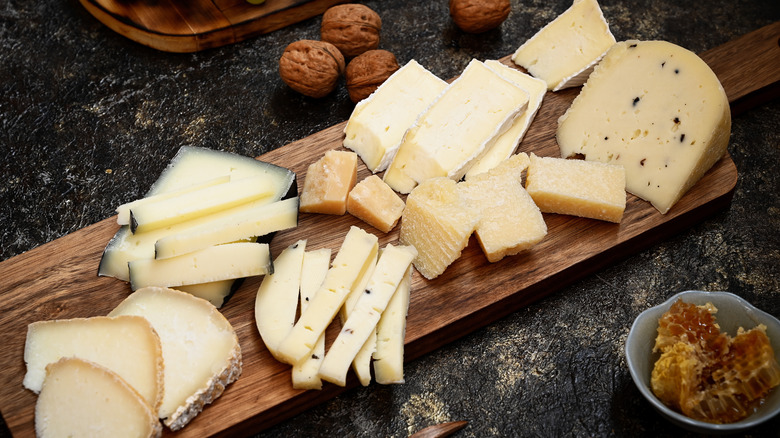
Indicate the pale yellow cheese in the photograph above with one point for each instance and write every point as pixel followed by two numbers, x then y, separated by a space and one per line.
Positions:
pixel 378 123
pixel 656 109
pixel 577 187
pixel 374 202
pixel 83 399
pixel 390 333
pixel 564 51
pixel 215 292
pixel 328 182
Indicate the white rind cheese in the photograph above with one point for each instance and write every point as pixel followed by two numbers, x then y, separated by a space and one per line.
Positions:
pixel 656 109
pixel 378 123
pixel 391 331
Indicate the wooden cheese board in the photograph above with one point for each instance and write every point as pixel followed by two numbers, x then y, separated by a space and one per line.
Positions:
pixel 58 279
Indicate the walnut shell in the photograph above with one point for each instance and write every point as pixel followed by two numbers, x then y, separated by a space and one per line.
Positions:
pixel 367 71
pixel 477 16
pixel 353 28
pixel 311 67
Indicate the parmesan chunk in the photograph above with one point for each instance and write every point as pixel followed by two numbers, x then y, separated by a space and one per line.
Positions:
pixel 328 182
pixel 374 202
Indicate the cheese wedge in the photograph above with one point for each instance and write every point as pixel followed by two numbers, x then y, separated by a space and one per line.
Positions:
pixel 328 182
pixel 375 203
pixel 507 143
pixel 463 122
pixel 276 301
pixel 656 109
pixel 564 52
pixel 391 331
pixel 83 399
pixel 127 345
pixel 315 265
pixel 353 259
pixel 378 123
pixel 200 349
pixel 215 292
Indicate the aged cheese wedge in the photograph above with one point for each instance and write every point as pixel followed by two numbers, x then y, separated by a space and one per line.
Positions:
pixel 564 51
pixel 260 220
pixel 509 221
pixel 328 182
pixel 127 345
pixel 315 265
pixel 463 122
pixel 378 123
pixel 374 202
pixel 438 224
pixel 200 349
pixel 215 292
pixel 221 262
pixel 577 187
pixel 353 259
pixel 361 323
pixel 83 399
pixel 656 109
pixel 391 331
pixel 277 297
pixel 506 144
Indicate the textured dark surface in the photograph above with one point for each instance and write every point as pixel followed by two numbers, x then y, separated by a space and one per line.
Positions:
pixel 88 120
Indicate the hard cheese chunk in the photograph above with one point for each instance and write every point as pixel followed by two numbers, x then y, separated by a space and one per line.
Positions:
pixel 378 123
pixel 506 144
pixel 576 187
pixel 509 221
pixel 82 399
pixel 564 51
pixel 200 349
pixel 438 224
pixel 374 202
pixel 127 345
pixel 390 334
pixel 468 117
pixel 328 182
pixel 656 109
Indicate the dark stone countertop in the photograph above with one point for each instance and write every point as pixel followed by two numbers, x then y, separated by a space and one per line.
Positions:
pixel 88 119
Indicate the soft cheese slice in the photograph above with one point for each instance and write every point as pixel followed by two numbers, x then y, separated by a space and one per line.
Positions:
pixel 391 331
pixel 83 399
pixel 656 109
pixel 438 223
pixel 246 223
pixel 353 259
pixel 577 187
pixel 328 182
pixel 375 203
pixel 277 297
pixel 507 143
pixel 362 320
pixel 509 221
pixel 127 345
pixel 378 123
pixel 564 51
pixel 471 113
pixel 200 349
pixel 315 265
pixel 221 262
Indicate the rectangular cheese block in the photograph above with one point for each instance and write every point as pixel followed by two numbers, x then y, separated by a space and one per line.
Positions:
pixel 509 221
pixel 352 260
pixel 577 187
pixel 375 203
pixel 378 123
pixel 221 262
pixel 328 182
pixel 507 143
pixel 391 332
pixel 457 128
pixel 656 109
pixel 564 51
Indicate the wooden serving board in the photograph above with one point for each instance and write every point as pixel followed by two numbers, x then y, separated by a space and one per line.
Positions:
pixel 194 25
pixel 58 279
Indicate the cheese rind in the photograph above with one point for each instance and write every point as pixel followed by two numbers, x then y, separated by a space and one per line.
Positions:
pixel 375 203
pixel 564 52
pixel 328 182
pixel 390 333
pixel 656 109
pixel 378 123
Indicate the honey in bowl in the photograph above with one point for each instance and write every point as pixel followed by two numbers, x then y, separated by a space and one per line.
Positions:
pixel 706 374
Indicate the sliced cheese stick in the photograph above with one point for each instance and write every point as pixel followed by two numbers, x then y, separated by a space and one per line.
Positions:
pixel 362 362
pixel 391 331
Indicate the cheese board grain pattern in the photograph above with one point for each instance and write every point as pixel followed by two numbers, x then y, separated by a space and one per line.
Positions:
pixel 58 279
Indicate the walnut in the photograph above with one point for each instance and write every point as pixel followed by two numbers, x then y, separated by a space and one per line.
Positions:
pixel 311 67
pixel 353 28
pixel 366 72
pixel 477 16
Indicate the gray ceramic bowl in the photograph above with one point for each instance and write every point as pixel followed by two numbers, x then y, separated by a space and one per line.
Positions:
pixel 733 312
